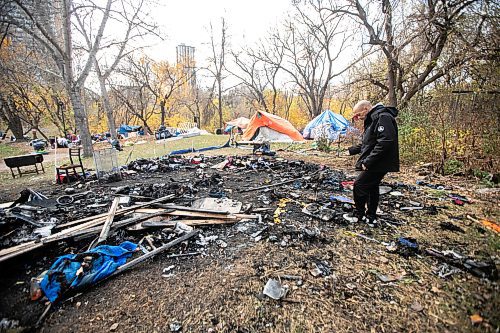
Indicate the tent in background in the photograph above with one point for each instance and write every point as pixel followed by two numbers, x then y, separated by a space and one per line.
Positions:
pixel 264 126
pixel 130 130
pixel 241 123
pixel 329 124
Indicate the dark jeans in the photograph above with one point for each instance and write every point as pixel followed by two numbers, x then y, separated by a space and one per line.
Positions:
pixel 366 191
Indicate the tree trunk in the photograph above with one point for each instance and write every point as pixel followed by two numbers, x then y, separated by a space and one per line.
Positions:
pixel 146 126
pixel 162 107
pixel 391 83
pixel 9 114
pixel 389 52
pixel 16 126
pixel 219 83
pixel 81 121
pixel 107 105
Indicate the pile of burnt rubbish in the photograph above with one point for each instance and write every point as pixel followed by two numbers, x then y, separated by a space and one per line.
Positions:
pixel 201 202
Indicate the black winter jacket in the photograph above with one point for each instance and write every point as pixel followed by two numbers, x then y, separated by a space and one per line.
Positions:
pixel 379 149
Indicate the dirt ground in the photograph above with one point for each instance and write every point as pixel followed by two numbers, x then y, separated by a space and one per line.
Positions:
pixel 362 287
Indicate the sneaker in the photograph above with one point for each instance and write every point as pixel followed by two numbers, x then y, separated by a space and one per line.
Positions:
pixel 372 221
pixel 352 218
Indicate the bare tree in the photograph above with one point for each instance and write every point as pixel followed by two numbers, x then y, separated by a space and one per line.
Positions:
pixel 198 102
pixel 259 76
pixel 309 50
pixel 217 62
pixel 156 83
pixel 35 21
pixel 130 18
pixel 413 40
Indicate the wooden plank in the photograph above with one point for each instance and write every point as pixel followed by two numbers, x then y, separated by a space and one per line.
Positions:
pixel 189 222
pixel 15 248
pixel 194 223
pixel 109 220
pixel 6 254
pixel 107 224
pixel 21 251
pixel 119 212
pixel 191 209
pixel 119 224
pixel 188 214
pixel 248 216
pixel 6 204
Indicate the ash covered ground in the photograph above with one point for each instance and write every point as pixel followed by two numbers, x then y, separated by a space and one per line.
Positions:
pixel 333 275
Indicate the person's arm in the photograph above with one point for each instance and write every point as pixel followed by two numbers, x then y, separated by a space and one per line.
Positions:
pixel 386 137
pixel 354 150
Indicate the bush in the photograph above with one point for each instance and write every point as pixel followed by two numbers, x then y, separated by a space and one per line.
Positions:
pixel 452 166
pixel 323 144
pixel 484 177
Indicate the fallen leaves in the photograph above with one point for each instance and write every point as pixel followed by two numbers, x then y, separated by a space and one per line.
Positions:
pixel 416 306
pixel 476 319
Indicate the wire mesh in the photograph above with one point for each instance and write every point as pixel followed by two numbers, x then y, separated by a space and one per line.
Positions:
pixel 106 163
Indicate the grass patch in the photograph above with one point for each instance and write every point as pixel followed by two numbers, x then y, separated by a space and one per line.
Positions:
pixel 161 148
pixel 150 149
pixel 13 149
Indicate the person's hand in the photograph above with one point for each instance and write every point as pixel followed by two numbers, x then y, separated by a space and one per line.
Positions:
pixel 363 166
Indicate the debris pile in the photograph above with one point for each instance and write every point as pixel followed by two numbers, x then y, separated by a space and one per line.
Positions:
pixel 202 205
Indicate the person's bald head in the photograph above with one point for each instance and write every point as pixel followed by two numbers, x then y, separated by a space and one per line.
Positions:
pixel 361 109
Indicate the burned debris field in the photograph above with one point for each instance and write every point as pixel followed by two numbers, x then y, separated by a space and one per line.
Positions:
pixel 249 244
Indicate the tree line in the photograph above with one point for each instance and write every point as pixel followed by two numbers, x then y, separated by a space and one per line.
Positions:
pixel 323 54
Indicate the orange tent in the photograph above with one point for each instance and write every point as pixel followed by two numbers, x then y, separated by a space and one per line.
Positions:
pixel 263 119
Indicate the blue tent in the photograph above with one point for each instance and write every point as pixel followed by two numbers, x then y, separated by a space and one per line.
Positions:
pixel 125 129
pixel 329 124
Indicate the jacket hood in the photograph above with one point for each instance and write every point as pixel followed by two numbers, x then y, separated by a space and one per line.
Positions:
pixel 380 108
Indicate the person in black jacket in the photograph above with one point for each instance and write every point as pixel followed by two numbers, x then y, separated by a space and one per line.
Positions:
pixel 379 154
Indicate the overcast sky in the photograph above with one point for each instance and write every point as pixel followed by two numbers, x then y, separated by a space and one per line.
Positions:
pixel 188 21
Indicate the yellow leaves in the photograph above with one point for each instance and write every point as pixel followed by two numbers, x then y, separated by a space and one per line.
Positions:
pixel 491 225
pixel 97 123
pixel 175 120
pixel 298 117
pixel 281 209
pixel 476 319
pixel 7 41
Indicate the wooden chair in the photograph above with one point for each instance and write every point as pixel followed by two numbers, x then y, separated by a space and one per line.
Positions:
pixel 71 169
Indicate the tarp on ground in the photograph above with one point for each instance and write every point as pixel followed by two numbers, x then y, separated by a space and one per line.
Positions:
pixel 329 124
pixel 124 129
pixel 62 274
pixel 193 150
pixel 273 123
pixel 241 123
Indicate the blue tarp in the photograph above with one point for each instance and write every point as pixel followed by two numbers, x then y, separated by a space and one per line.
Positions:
pixel 327 123
pixel 62 274
pixel 124 129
